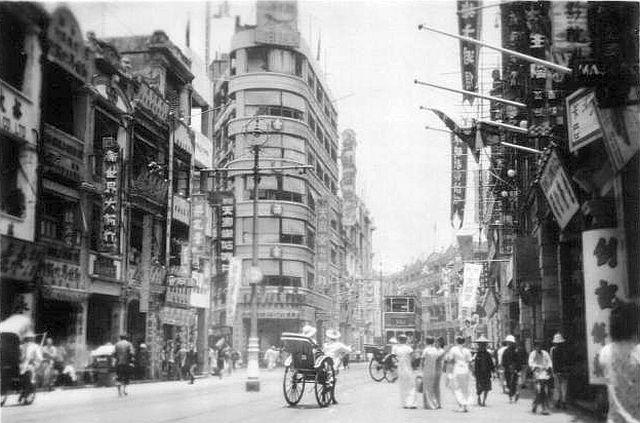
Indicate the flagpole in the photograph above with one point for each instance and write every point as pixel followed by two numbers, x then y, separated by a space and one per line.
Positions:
pixel 511 128
pixel 473 94
pixel 517 54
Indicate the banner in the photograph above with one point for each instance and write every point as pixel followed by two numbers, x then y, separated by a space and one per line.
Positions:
pixel 621 129
pixel 234 282
pixel 557 188
pixel 458 181
pixel 570 31
pixel 604 259
pixel 469 21
pixel 582 120
pixel 468 294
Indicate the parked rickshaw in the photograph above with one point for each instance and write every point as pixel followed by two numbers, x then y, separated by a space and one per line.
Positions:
pixel 306 364
pixel 12 332
pixel 383 364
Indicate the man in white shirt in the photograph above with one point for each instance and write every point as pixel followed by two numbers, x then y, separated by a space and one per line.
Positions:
pixel 540 364
pixel 334 349
pixel 499 353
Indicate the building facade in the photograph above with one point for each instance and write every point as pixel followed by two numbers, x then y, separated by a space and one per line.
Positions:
pixel 272 95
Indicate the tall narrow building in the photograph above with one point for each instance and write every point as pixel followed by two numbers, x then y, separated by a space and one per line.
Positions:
pixel 272 94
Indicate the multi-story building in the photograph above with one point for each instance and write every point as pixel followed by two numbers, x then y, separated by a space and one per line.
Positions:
pixel 273 90
pixel 22 33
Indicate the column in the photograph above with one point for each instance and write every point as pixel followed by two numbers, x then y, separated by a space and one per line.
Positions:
pixel 550 301
pixel 81 354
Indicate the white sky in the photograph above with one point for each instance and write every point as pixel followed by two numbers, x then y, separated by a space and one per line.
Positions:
pixel 372 52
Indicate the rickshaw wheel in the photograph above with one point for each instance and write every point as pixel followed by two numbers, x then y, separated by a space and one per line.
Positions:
pixel 28 400
pixel 325 379
pixel 292 385
pixel 376 370
pixel 391 370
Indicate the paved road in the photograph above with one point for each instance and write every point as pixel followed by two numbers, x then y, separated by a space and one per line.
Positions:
pixel 211 399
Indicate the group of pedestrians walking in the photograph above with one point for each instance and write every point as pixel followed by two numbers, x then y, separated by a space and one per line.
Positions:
pixel 459 366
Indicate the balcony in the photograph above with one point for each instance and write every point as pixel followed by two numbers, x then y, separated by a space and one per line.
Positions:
pixel 203 156
pixel 151 100
pixel 181 209
pixel 182 138
pixel 101 266
pixel 63 155
pixel 18 115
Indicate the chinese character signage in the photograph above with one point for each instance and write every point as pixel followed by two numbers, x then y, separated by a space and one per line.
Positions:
pixel 557 188
pixel 621 129
pixel 582 119
pixel 570 31
pixel 19 260
pixel 605 282
pixel 468 294
pixel 235 280
pixel 66 46
pixel 111 195
pixel 458 180
pixel 469 20
pixel 226 229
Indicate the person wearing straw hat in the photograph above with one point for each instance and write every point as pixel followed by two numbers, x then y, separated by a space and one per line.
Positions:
pixel 334 349
pixel 310 332
pixel 483 368
pixel 541 367
pixel 561 360
pixel 512 362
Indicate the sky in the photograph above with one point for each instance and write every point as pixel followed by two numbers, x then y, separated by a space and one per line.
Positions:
pixel 371 53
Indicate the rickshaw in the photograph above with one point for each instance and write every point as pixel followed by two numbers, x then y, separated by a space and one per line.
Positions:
pixel 383 364
pixel 306 364
pixel 12 332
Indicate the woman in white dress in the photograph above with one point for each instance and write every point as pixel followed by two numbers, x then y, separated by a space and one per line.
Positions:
pixel 406 378
pixel 460 377
pixel 431 364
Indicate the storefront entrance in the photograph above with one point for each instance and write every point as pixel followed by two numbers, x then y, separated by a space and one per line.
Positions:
pixel 136 322
pixel 58 319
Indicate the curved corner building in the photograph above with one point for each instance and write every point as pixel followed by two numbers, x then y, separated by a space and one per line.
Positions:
pixel 271 94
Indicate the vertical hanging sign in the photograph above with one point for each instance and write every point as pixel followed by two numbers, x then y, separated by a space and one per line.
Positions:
pixel 111 195
pixel 557 188
pixel 604 259
pixel 458 180
pixel 469 20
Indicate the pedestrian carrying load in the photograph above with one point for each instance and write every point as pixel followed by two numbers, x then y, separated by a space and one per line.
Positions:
pixel 558 339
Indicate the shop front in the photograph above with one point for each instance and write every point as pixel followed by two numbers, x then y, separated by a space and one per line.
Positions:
pixel 20 262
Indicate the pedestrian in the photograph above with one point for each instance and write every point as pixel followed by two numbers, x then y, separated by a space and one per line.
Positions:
pixel 512 363
pixel 124 354
pixel 182 361
pixel 227 358
pixel 49 362
pixel 431 369
pixel 620 363
pixel 142 361
pixel 406 379
pixel 336 350
pixel 310 332
pixel 541 367
pixel 30 360
pixel 235 356
pixel 220 361
pixel 440 364
pixel 501 374
pixel 270 357
pixel 190 363
pixel 460 376
pixel 561 361
pixel 483 368
pixel 171 360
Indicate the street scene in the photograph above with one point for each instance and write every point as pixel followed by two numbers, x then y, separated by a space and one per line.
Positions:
pixel 320 210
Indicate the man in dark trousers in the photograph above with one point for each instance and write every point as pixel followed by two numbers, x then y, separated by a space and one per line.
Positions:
pixel 123 354
pixel 512 362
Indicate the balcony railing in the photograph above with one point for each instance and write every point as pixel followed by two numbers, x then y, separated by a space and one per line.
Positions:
pixel 181 209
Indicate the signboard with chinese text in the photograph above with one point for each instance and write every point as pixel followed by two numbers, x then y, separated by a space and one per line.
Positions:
pixel 570 31
pixel 583 124
pixel 621 129
pixel 19 260
pixel 61 274
pixel 469 21
pixel 471 280
pixel 604 259
pixel 558 190
pixel 111 195
pixel 226 229
pixel 66 46
pixel 459 154
pixel 234 283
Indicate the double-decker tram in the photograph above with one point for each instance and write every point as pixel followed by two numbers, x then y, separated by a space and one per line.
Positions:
pixel 402 315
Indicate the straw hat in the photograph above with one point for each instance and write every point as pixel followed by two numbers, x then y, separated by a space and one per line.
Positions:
pixel 558 338
pixel 510 338
pixel 309 331
pixel 29 334
pixel 393 340
pixel 332 334
pixel 482 340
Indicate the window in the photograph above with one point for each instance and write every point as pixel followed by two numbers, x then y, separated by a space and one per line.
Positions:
pixel 319 93
pixel 312 123
pixel 399 305
pixel 257 59
pixel 135 239
pixel 282 61
pixel 12 50
pixel 311 239
pixel 282 281
pixel 60 220
pixel 310 280
pixel 311 202
pixel 180 178
pixel 58 97
pixel 299 63
pixel 12 199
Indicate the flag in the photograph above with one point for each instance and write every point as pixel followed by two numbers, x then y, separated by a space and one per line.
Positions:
pixel 467 135
pixel 490 134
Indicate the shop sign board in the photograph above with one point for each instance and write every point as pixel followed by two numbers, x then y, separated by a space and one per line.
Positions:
pixel 111 195
pixel 233 288
pixel 469 21
pixel 604 259
pixel 621 129
pixel 583 125
pixel 18 114
pixel 61 274
pixel 459 154
pixel 226 232
pixel 20 259
pixel 558 190
pixel 570 31
pixel 66 46
pixel 469 291
pixel 399 320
